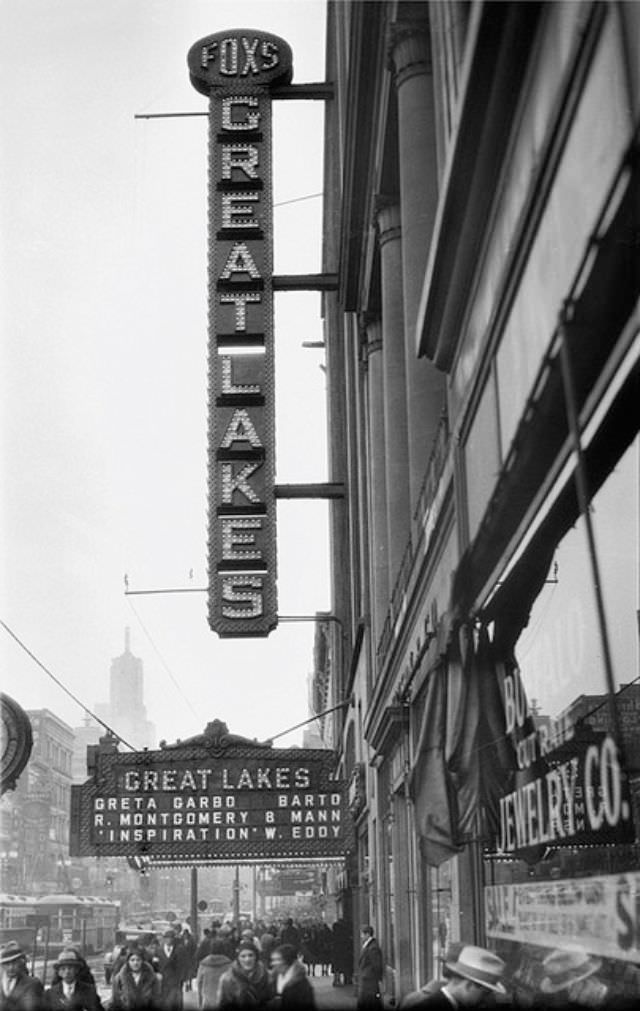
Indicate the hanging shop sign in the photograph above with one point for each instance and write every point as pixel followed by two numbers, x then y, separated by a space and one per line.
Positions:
pixel 569 788
pixel 214 799
pixel 236 70
pixel 16 742
pixel 601 913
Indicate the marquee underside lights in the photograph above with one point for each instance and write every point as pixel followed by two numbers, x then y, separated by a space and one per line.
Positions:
pixel 236 70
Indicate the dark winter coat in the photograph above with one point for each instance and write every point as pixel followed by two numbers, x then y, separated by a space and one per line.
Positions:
pixel 210 971
pixel 188 949
pixel 297 993
pixel 239 990
pixel 27 995
pixel 370 972
pixel 342 948
pixel 437 1001
pixel 170 968
pixel 290 935
pixel 128 994
pixel 84 998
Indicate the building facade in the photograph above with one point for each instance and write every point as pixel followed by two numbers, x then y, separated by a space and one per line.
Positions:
pixel 481 216
pixel 34 824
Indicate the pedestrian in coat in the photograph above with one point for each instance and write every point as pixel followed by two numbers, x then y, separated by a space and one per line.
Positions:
pixel 18 990
pixel 473 979
pixel 341 953
pixel 245 984
pixel 170 967
pixel 293 989
pixel 83 972
pixel 210 971
pixel 290 934
pixel 70 993
pixel 188 949
pixel 370 972
pixel 136 985
pixel 267 944
pixel 204 948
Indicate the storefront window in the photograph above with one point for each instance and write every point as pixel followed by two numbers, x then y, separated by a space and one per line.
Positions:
pixel 562 885
pixel 443 919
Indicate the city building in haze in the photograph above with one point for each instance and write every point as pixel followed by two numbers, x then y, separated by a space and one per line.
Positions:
pixel 125 711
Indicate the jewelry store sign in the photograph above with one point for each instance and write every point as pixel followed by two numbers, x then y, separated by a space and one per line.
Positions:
pixel 236 70
pixel 240 804
pixel 569 787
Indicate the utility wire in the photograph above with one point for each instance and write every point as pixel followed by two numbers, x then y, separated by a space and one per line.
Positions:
pixel 312 719
pixel 296 200
pixel 110 730
pixel 162 660
pixel 64 688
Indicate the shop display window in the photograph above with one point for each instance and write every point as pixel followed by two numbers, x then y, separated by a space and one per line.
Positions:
pixel 562 878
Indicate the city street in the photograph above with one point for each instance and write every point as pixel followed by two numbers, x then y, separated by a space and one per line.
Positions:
pixel 321 600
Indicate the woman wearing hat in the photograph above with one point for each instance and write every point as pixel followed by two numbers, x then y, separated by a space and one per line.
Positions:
pixel 18 990
pixel 136 985
pixel 246 982
pixel 473 977
pixel 71 993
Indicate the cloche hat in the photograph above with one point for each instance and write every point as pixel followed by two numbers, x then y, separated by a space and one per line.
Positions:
pixel 10 952
pixel 565 966
pixel 480 966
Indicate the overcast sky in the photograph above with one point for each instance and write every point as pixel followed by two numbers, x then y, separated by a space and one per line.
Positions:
pixel 104 328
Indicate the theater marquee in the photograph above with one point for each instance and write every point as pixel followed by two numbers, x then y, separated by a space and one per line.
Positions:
pixel 209 800
pixel 236 70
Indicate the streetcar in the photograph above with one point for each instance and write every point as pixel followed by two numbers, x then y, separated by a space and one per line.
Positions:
pixel 87 922
pixel 17 919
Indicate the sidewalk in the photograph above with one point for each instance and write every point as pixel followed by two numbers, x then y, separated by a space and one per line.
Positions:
pixel 328 997
pixel 336 997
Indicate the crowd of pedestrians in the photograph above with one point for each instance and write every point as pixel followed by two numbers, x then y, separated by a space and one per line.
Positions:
pixel 264 965
pixel 268 964
pixel 269 967
pixel 257 967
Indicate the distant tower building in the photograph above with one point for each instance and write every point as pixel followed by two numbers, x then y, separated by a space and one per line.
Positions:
pixel 126 712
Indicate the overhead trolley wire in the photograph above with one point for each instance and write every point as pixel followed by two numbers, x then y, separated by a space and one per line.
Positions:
pixel 162 660
pixel 64 688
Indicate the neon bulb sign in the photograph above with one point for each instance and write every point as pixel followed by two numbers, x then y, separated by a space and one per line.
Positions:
pixel 236 70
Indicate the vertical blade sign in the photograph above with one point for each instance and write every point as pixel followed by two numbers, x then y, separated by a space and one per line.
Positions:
pixel 236 69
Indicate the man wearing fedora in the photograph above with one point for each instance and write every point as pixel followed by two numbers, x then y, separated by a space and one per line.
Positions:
pixel 18 990
pixel 570 977
pixel 473 979
pixel 170 968
pixel 70 993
